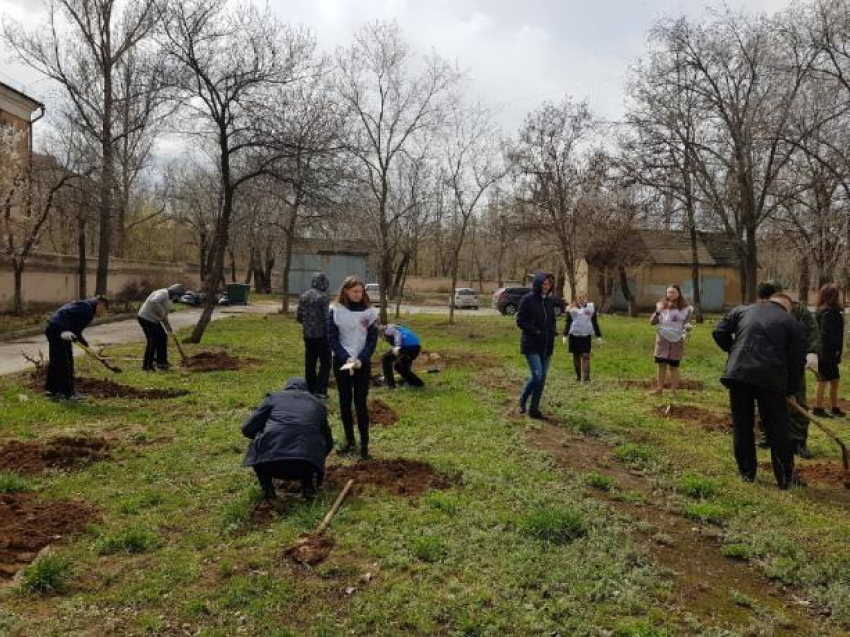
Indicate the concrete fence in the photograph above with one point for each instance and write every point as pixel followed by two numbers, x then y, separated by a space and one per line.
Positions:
pixel 53 278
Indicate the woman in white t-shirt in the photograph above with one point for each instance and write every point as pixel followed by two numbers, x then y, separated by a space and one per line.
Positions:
pixel 673 318
pixel 353 335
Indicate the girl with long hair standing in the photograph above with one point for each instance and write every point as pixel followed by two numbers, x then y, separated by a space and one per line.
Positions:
pixel 830 318
pixel 673 318
pixel 353 335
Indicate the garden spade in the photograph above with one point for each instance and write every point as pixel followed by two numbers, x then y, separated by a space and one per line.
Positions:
pixel 99 359
pixel 314 548
pixel 177 343
pixel 845 456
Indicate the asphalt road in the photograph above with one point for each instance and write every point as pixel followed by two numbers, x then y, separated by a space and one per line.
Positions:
pixel 12 361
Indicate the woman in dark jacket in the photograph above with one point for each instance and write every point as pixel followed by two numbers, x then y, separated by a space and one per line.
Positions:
pixel 830 318
pixel 536 318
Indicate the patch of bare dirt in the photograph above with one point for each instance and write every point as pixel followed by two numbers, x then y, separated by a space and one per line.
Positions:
pixel 380 413
pixel 434 362
pixel 820 472
pixel 692 385
pixel 400 477
pixel 27 525
pixel 214 362
pixel 702 576
pixel 709 420
pixel 102 388
pixel 65 452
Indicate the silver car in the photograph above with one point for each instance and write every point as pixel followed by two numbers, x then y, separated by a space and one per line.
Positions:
pixel 466 298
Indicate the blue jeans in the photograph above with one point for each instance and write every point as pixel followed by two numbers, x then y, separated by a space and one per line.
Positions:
pixel 539 367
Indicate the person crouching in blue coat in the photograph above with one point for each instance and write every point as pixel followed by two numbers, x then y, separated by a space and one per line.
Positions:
pixel 536 318
pixel 405 348
pixel 290 438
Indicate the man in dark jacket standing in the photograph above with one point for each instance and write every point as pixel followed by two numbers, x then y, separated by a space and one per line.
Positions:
pixel 536 318
pixel 766 353
pixel 290 438
pixel 65 326
pixel 312 313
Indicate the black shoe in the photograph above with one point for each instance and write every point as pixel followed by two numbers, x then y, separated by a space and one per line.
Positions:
pixel 837 412
pixel 163 367
pixel 346 450
pixel 803 451
pixel 148 369
pixel 586 380
pixel 762 441
pixel 820 412
pixel 796 482
pixel 521 409
pixel 364 454
pixel 748 478
pixel 536 414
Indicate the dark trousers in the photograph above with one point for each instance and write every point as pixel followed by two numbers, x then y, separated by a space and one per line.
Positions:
pixel 157 344
pixel 60 367
pixel 354 388
pixel 403 364
pixel 775 417
pixel 300 470
pixel 317 350
pixel 799 430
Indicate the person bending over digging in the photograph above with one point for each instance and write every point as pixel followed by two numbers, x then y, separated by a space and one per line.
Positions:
pixel 405 349
pixel 290 439
pixel 153 319
pixel 312 313
pixel 766 352
pixel 536 318
pixel 353 335
pixel 673 318
pixel 65 326
pixel 581 325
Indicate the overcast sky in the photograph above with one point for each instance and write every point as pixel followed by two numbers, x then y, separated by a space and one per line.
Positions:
pixel 517 52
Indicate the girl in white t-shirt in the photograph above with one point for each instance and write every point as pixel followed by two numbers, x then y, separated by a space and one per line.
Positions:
pixel 673 318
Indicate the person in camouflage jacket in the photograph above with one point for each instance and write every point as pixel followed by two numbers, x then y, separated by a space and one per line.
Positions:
pixel 312 313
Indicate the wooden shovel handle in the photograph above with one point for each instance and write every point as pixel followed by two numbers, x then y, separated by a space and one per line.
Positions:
pixel 338 503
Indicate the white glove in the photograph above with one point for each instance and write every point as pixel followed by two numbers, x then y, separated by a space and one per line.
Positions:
pixel 357 363
pixel 67 336
pixel 812 362
pixel 599 340
pixel 565 340
pixel 396 351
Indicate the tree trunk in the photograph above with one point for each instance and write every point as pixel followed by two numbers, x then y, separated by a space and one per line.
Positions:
pixel 695 269
pixel 232 265
pixel 82 283
pixel 804 280
pixel 18 271
pixel 627 293
pixel 452 293
pixel 751 266
pixel 399 274
pixel 400 293
pixel 106 178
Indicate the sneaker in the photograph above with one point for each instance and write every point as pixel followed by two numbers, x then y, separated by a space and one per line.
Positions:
pixel 747 478
pixel 346 450
pixel 49 394
pixel 76 398
pixel 586 380
pixel 762 441
pixel 364 454
pixel 837 412
pixel 803 451
pixel 536 414
pixel 820 412
pixel 164 367
pixel 521 409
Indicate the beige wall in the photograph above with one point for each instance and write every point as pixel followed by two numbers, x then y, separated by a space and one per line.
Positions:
pixel 443 285
pixel 53 278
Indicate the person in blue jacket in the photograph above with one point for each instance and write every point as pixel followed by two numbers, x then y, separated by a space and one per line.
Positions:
pixel 290 438
pixel 405 348
pixel 65 326
pixel 353 335
pixel 536 318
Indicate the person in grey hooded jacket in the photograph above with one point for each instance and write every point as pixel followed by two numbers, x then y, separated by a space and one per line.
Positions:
pixel 312 313
pixel 290 438
pixel 153 319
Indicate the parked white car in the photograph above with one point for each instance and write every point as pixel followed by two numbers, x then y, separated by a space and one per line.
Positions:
pixel 373 290
pixel 466 298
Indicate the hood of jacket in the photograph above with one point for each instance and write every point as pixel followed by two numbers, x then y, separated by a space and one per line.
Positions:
pixel 320 282
pixel 537 283
pixel 296 383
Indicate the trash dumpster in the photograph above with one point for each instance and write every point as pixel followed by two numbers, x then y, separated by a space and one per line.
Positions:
pixel 238 293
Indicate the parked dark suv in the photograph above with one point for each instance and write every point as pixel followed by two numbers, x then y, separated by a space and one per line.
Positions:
pixel 506 300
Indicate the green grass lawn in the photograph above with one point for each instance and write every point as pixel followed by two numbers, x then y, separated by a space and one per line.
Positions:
pixel 522 544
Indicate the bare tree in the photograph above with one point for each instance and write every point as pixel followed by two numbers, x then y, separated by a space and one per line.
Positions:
pixel 232 61
pixel 81 47
pixel 389 107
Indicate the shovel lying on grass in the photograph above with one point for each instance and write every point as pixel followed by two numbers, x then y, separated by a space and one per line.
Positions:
pixel 99 359
pixel 315 547
pixel 845 456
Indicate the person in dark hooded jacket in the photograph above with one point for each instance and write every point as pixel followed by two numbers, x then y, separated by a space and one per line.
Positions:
pixel 766 353
pixel 312 313
pixel 536 318
pixel 65 326
pixel 290 438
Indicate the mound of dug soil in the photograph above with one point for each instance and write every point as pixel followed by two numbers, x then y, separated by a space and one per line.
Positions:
pixel 710 420
pixel 822 472
pixel 60 453
pixel 693 385
pixel 97 388
pixel 27 526
pixel 380 413
pixel 400 477
pixel 214 362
